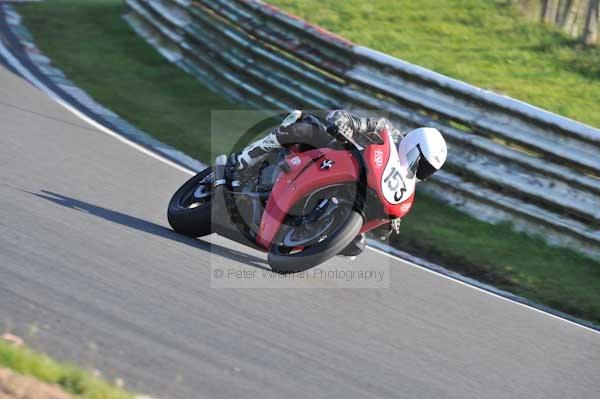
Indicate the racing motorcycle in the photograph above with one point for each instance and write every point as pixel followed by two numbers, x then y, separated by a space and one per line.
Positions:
pixel 302 205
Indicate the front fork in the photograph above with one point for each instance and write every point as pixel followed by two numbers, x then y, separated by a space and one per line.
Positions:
pixel 395 226
pixel 382 229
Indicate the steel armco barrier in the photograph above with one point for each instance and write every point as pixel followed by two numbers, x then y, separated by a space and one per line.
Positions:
pixel 508 160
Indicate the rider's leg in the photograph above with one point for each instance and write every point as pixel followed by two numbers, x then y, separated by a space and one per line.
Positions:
pixel 297 128
pixel 308 130
pixel 257 150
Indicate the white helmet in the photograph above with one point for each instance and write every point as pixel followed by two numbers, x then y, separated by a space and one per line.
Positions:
pixel 424 151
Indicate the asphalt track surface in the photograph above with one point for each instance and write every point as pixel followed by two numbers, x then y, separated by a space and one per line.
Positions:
pixel 90 272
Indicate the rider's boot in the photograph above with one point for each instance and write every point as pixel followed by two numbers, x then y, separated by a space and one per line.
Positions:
pixel 256 151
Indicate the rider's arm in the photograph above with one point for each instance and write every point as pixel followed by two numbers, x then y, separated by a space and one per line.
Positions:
pixel 348 124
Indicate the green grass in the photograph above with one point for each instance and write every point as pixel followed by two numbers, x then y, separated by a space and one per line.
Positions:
pixel 138 84
pixel 70 378
pixel 482 42
pixel 107 60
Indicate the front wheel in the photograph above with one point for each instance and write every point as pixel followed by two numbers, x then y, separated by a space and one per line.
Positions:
pixel 324 225
pixel 318 253
pixel 190 207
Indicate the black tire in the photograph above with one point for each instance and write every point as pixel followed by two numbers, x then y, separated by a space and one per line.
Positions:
pixel 317 253
pixel 193 222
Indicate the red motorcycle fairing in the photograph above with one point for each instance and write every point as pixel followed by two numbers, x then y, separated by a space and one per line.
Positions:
pixel 308 172
pixel 385 176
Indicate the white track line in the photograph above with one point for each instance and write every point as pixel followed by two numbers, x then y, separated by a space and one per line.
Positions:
pixel 25 72
pixel 483 290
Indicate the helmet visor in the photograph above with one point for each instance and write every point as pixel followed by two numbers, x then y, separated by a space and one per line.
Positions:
pixel 412 161
pixel 425 169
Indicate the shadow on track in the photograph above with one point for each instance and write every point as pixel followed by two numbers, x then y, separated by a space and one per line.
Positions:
pixel 149 227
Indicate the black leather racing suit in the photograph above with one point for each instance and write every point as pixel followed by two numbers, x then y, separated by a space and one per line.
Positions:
pixel 310 130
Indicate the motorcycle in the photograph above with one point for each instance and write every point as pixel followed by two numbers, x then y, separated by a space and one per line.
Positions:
pixel 301 205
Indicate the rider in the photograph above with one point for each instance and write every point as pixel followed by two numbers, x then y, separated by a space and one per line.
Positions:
pixel 425 148
pixel 304 128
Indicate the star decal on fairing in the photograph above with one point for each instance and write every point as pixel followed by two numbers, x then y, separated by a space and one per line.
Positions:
pixel 327 164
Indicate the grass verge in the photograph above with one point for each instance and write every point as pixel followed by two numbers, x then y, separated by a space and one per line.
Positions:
pixel 557 277
pixel 484 42
pixel 102 55
pixel 92 44
pixel 70 378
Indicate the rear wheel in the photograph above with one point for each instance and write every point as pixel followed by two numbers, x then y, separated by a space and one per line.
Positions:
pixel 190 207
pixel 321 226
